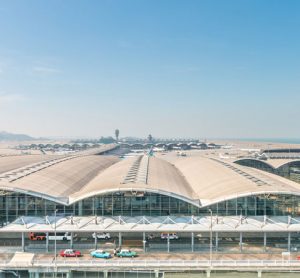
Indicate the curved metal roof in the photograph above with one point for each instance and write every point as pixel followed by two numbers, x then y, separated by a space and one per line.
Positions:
pixel 196 179
pixel 161 177
pixel 12 162
pixel 272 163
pixel 215 180
pixel 65 178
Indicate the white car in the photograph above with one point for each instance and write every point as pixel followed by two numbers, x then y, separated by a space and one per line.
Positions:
pixel 168 235
pixel 101 235
pixel 61 236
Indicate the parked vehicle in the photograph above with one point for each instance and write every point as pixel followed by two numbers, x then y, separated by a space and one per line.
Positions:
pixel 126 253
pixel 100 254
pixel 70 253
pixel 150 236
pixel 61 236
pixel 37 236
pixel 101 235
pixel 169 235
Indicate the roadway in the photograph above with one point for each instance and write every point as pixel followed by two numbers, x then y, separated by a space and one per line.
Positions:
pixel 6 256
pixel 134 240
pixel 153 262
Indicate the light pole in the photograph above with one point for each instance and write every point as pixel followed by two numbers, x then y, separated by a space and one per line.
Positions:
pixel 210 244
pixel 55 238
pixel 241 209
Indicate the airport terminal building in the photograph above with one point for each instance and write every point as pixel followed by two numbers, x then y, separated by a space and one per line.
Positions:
pixel 161 185
pixel 195 193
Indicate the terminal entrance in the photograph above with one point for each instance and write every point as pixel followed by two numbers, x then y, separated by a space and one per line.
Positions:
pixel 154 242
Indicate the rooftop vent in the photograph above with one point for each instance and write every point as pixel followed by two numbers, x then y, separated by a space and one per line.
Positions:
pixel 138 172
pixel 242 173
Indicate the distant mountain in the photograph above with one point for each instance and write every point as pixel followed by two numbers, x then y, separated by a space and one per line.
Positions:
pixel 6 136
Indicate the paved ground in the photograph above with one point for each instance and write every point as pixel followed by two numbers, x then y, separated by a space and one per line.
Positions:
pixel 6 256
pixel 180 256
pixel 180 249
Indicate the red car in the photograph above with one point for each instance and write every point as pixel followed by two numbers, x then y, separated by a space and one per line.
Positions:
pixel 37 236
pixel 70 253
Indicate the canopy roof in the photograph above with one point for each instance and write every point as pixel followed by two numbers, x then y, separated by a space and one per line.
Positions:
pixel 155 224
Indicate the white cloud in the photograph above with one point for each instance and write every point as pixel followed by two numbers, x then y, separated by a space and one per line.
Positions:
pixel 10 98
pixel 45 70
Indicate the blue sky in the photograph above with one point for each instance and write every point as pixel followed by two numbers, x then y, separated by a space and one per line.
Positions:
pixel 170 68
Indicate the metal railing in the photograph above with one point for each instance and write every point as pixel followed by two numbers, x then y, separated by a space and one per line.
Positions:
pixel 156 263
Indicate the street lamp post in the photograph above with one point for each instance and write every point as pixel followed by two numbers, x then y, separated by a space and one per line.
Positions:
pixel 55 238
pixel 210 244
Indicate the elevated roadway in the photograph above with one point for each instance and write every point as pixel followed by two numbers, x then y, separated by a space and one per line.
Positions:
pixel 156 266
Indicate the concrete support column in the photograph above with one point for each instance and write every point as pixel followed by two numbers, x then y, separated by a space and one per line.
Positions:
pixel 6 209
pixel 23 242
pixel 69 274
pixel 208 273
pixel 265 242
pixel 47 242
pixel 17 206
pixel 105 273
pixel 259 273
pixel 156 273
pixel 71 241
pixel 96 240
pixel 217 241
pixel 26 205
pixel 168 243
pixel 120 240
pixel 94 205
pixel 192 241
pixel 289 242
pixel 80 208
pixel 241 242
pixel 144 242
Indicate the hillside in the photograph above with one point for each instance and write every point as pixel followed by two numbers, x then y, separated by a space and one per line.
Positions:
pixel 6 136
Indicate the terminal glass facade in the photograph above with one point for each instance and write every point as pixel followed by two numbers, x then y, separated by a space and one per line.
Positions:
pixel 289 170
pixel 261 165
pixel 14 205
pixel 267 204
